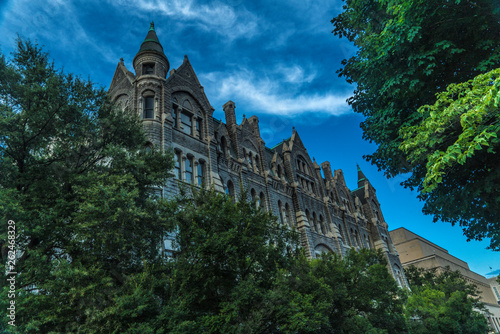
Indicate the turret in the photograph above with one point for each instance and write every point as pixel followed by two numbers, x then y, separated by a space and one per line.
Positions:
pixel 151 60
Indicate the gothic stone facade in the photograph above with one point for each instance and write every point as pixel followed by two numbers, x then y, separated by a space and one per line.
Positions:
pixel 177 116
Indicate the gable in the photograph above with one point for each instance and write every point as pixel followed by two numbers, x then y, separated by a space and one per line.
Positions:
pixel 184 79
pixel 122 79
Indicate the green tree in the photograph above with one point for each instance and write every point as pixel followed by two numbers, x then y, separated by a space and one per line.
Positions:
pixel 229 256
pixel 81 189
pixel 238 271
pixel 409 51
pixel 456 146
pixel 443 303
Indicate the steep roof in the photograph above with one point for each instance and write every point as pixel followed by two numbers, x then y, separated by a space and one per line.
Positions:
pixel 151 42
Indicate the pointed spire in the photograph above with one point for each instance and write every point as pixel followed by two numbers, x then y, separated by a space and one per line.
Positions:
pixel 151 42
pixel 361 175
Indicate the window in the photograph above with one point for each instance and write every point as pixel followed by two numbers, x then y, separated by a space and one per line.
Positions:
pixel 198 127
pixel 223 145
pixel 201 174
pixel 177 158
pixel 496 292
pixel 356 236
pixel 149 104
pixel 288 215
pixel 341 232
pixel 282 216
pixel 186 123
pixel 148 68
pixel 174 115
pixel 230 190
pixel 189 170
pixel 322 224
pixel 262 201
pixel 279 171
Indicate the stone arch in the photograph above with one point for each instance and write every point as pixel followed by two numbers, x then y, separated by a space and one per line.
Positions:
pixel 322 248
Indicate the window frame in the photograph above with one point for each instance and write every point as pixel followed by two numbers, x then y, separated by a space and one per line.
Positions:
pixel 146 110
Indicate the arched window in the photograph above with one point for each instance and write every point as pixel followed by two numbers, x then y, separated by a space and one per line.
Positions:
pixel 281 213
pixel 174 115
pixel 148 147
pixel 257 163
pixel 322 224
pixel 315 223
pixel 262 201
pixel 223 145
pixel 186 104
pixel 398 275
pixel 198 127
pixel 253 194
pixel 149 107
pixel 200 171
pixel 356 236
pixel 341 231
pixel 308 216
pixel 279 171
pixel 188 172
pixel 288 215
pixel 177 164
pixel 230 189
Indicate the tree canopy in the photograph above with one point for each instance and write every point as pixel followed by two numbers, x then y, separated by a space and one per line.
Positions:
pixel 237 270
pixel 443 303
pixel 81 190
pixel 408 52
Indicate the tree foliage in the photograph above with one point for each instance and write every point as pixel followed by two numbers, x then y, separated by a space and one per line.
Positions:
pixel 457 146
pixel 237 270
pixel 80 188
pixel 408 51
pixel 443 303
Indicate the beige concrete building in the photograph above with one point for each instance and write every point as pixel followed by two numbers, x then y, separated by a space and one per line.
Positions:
pixel 420 252
pixel 495 287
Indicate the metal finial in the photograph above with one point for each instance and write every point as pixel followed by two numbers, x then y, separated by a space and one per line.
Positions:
pixel 152 26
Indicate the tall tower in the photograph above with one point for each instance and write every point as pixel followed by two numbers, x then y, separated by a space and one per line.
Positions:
pixel 151 68
pixel 378 226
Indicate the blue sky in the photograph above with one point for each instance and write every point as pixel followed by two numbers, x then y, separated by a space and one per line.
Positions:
pixel 275 60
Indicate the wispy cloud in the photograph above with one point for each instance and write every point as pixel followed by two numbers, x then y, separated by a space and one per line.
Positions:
pixel 58 24
pixel 269 95
pixel 217 17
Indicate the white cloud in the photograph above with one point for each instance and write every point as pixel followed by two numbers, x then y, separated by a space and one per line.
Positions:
pixel 295 74
pixel 231 22
pixel 265 95
pixel 57 23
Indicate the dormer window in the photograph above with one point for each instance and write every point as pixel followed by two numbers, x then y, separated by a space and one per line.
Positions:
pixel 148 68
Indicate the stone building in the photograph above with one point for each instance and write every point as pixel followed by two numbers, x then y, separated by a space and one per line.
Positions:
pixel 177 116
pixel 420 252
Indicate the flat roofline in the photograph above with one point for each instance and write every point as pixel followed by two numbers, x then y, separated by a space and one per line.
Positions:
pixel 422 239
